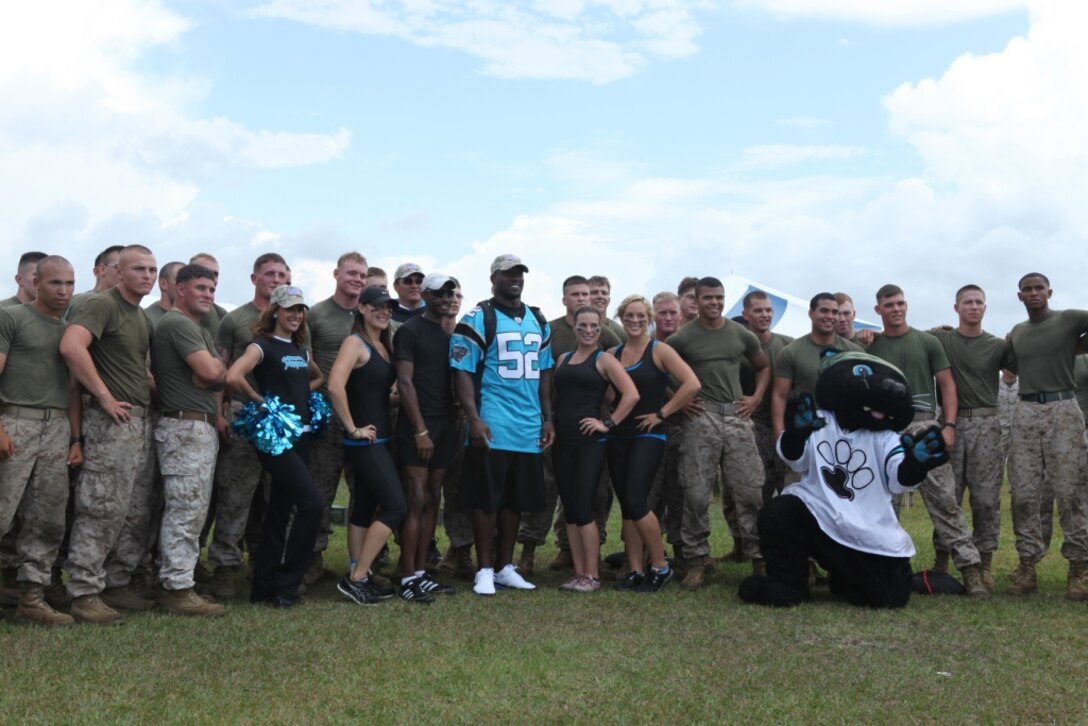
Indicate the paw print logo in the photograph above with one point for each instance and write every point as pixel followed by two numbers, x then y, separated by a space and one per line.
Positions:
pixel 844 469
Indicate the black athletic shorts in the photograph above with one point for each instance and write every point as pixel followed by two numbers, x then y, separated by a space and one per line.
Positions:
pixel 493 479
pixel 443 433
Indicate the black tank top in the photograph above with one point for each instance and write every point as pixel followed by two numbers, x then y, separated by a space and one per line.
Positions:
pixel 284 372
pixel 651 384
pixel 368 390
pixel 579 391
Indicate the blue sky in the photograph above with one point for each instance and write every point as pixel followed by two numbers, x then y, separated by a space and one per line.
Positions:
pixel 806 144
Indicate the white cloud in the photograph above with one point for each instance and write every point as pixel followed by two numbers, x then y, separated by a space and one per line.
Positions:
pixel 776 156
pixel 594 40
pixel 86 137
pixel 888 12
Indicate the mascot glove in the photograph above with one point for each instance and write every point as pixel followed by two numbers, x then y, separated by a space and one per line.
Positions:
pixel 921 453
pixel 800 421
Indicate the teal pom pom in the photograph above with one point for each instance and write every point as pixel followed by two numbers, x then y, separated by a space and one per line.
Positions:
pixel 320 413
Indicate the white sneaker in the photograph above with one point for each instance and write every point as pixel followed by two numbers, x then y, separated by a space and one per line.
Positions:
pixel 485 582
pixel 509 577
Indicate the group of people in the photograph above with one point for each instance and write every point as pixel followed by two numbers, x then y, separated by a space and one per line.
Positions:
pixel 118 458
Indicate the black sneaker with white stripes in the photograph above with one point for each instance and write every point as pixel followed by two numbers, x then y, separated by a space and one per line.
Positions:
pixel 413 592
pixel 434 587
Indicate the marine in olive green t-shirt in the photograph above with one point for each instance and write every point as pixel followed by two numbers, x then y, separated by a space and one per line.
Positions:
pixel 1080 378
pixel 799 361
pixel 121 339
pixel 564 340
pixel 35 374
pixel 10 302
pixel 976 366
pixel 771 348
pixel 715 354
pixel 1043 351
pixel 920 356
pixel 176 337
pixel 154 313
pixel 329 325
pixel 234 336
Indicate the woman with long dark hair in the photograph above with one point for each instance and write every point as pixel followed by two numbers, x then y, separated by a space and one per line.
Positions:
pixel 580 381
pixel 284 370
pixel 360 382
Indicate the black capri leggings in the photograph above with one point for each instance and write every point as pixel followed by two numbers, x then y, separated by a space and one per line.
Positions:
pixel 633 463
pixel 578 465
pixel 376 484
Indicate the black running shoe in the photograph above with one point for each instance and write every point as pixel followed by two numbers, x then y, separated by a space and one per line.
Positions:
pixel 655 580
pixel 358 591
pixel 380 591
pixel 413 592
pixel 434 587
pixel 630 583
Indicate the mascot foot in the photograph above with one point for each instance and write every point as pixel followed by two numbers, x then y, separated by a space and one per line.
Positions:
pixel 762 590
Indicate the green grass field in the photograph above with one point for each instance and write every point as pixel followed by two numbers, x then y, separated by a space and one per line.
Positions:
pixel 551 657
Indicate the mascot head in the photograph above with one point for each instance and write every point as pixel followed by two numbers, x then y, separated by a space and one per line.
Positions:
pixel 864 392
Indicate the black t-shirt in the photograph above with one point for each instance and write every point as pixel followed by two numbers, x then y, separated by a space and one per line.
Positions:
pixel 284 371
pixel 426 344
pixel 651 384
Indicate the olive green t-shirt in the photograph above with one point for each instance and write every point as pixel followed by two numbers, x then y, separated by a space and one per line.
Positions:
pixel 920 356
pixel 1043 352
pixel 234 335
pixel 716 356
pixel 212 319
pixel 564 340
pixel 35 374
pixel 177 336
pixel 774 345
pixel 77 302
pixel 616 329
pixel 976 366
pixel 122 338
pixel 10 302
pixel 1080 377
pixel 800 360
pixel 154 314
pixel 329 325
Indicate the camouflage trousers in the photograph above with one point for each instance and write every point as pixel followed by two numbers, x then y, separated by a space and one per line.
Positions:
pixel 456 520
pixel 774 469
pixel 1048 443
pixel 666 497
pixel 327 465
pixel 186 452
pixel 978 464
pixel 237 476
pixel 34 485
pixel 114 503
pixel 938 493
pixel 535 525
pixel 712 441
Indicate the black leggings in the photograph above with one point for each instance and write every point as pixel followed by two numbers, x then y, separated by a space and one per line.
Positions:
pixel 578 465
pixel 376 484
pixel 789 534
pixel 283 556
pixel 633 463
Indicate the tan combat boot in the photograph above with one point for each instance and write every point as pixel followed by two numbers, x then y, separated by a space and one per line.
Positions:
pixel 222 588
pixel 695 577
pixel 528 559
pixel 187 602
pixel 986 566
pixel 1024 579
pixel 314 571
pixel 972 581
pixel 33 610
pixel 736 554
pixel 90 609
pixel 940 561
pixel 127 598
pixel 563 561
pixel 466 568
pixel 1077 588
pixel 759 567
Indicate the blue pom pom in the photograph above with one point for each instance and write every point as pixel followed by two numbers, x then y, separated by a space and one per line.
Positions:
pixel 320 413
pixel 272 427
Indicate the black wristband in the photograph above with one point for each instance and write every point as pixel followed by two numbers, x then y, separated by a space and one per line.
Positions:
pixel 75 440
pixel 660 414
pixel 948 425
pixel 609 423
